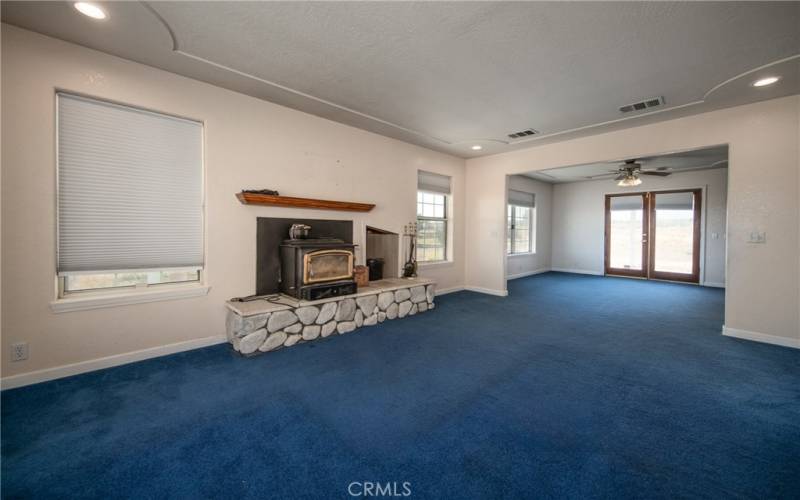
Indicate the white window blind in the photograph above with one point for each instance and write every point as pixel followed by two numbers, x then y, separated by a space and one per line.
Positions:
pixel 521 198
pixel 433 183
pixel 130 186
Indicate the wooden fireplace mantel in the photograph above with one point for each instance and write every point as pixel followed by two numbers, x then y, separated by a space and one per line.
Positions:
pixel 289 201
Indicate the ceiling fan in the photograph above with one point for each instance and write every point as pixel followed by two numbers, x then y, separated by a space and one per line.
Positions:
pixel 628 173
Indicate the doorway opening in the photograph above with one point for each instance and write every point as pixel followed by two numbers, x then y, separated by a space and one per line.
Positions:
pixel 658 216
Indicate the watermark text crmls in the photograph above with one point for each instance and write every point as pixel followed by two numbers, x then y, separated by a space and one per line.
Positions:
pixel 379 489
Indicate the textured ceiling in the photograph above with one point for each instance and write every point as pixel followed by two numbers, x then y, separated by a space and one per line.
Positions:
pixel 447 75
pixel 681 161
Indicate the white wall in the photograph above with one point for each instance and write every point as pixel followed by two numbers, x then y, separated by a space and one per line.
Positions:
pixel 249 143
pixel 538 261
pixel 762 293
pixel 579 220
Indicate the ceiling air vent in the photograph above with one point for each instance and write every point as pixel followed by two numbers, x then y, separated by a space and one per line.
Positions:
pixel 646 104
pixel 523 133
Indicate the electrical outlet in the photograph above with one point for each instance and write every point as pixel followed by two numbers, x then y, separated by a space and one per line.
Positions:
pixel 19 351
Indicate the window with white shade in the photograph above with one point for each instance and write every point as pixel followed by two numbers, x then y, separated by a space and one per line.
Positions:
pixel 433 192
pixel 521 223
pixel 130 196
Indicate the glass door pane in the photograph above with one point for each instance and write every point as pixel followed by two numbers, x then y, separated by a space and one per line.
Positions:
pixel 626 229
pixel 674 234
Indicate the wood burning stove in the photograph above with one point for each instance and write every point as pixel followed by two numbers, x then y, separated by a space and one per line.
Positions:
pixel 313 269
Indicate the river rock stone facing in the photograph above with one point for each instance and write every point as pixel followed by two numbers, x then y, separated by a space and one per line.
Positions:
pixel 346 326
pixel 311 332
pixel 367 304
pixel 385 299
pixel 418 294
pixel 253 323
pixel 359 318
pixel 326 313
pixel 307 314
pixel 346 310
pixel 295 328
pixel 280 320
pixel 273 342
pixel 233 325
pixel 251 342
pixel 328 328
pixel 404 309
pixel 285 326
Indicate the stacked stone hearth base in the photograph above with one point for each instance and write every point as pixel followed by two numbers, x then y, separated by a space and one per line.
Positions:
pixel 261 326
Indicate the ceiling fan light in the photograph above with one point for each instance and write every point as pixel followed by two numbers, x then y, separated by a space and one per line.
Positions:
pixel 629 181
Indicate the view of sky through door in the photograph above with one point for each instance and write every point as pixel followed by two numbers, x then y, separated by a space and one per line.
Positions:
pixel 626 229
pixel 674 232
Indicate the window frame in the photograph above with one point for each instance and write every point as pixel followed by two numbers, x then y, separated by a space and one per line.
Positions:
pixel 510 250
pixel 446 222
pixel 63 292
pixel 77 300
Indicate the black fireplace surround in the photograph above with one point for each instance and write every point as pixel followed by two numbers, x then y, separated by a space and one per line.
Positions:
pixel 281 263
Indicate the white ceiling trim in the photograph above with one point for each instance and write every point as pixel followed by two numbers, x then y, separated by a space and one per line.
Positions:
pixel 177 50
pixel 658 111
pixel 754 70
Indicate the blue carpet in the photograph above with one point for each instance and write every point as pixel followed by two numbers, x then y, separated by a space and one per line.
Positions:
pixel 572 387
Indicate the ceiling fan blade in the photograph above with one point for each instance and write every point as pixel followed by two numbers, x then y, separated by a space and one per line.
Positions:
pixel 655 172
pixel 620 177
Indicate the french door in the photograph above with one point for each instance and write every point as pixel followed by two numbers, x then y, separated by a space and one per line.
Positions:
pixel 654 235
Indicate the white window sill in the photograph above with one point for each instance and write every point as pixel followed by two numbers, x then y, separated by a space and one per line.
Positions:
pixel 97 300
pixel 438 263
pixel 521 254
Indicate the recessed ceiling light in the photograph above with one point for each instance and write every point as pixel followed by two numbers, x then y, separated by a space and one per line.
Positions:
pixel 765 81
pixel 477 147
pixel 91 10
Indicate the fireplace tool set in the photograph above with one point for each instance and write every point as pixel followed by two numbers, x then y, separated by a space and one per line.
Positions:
pixel 410 240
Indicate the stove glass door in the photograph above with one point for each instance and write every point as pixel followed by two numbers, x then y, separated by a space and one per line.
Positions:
pixel 327 265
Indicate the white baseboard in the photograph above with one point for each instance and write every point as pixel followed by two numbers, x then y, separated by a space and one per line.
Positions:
pixel 714 285
pixel 488 291
pixel 577 271
pixel 445 291
pixel 527 273
pixel 35 377
pixel 760 337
